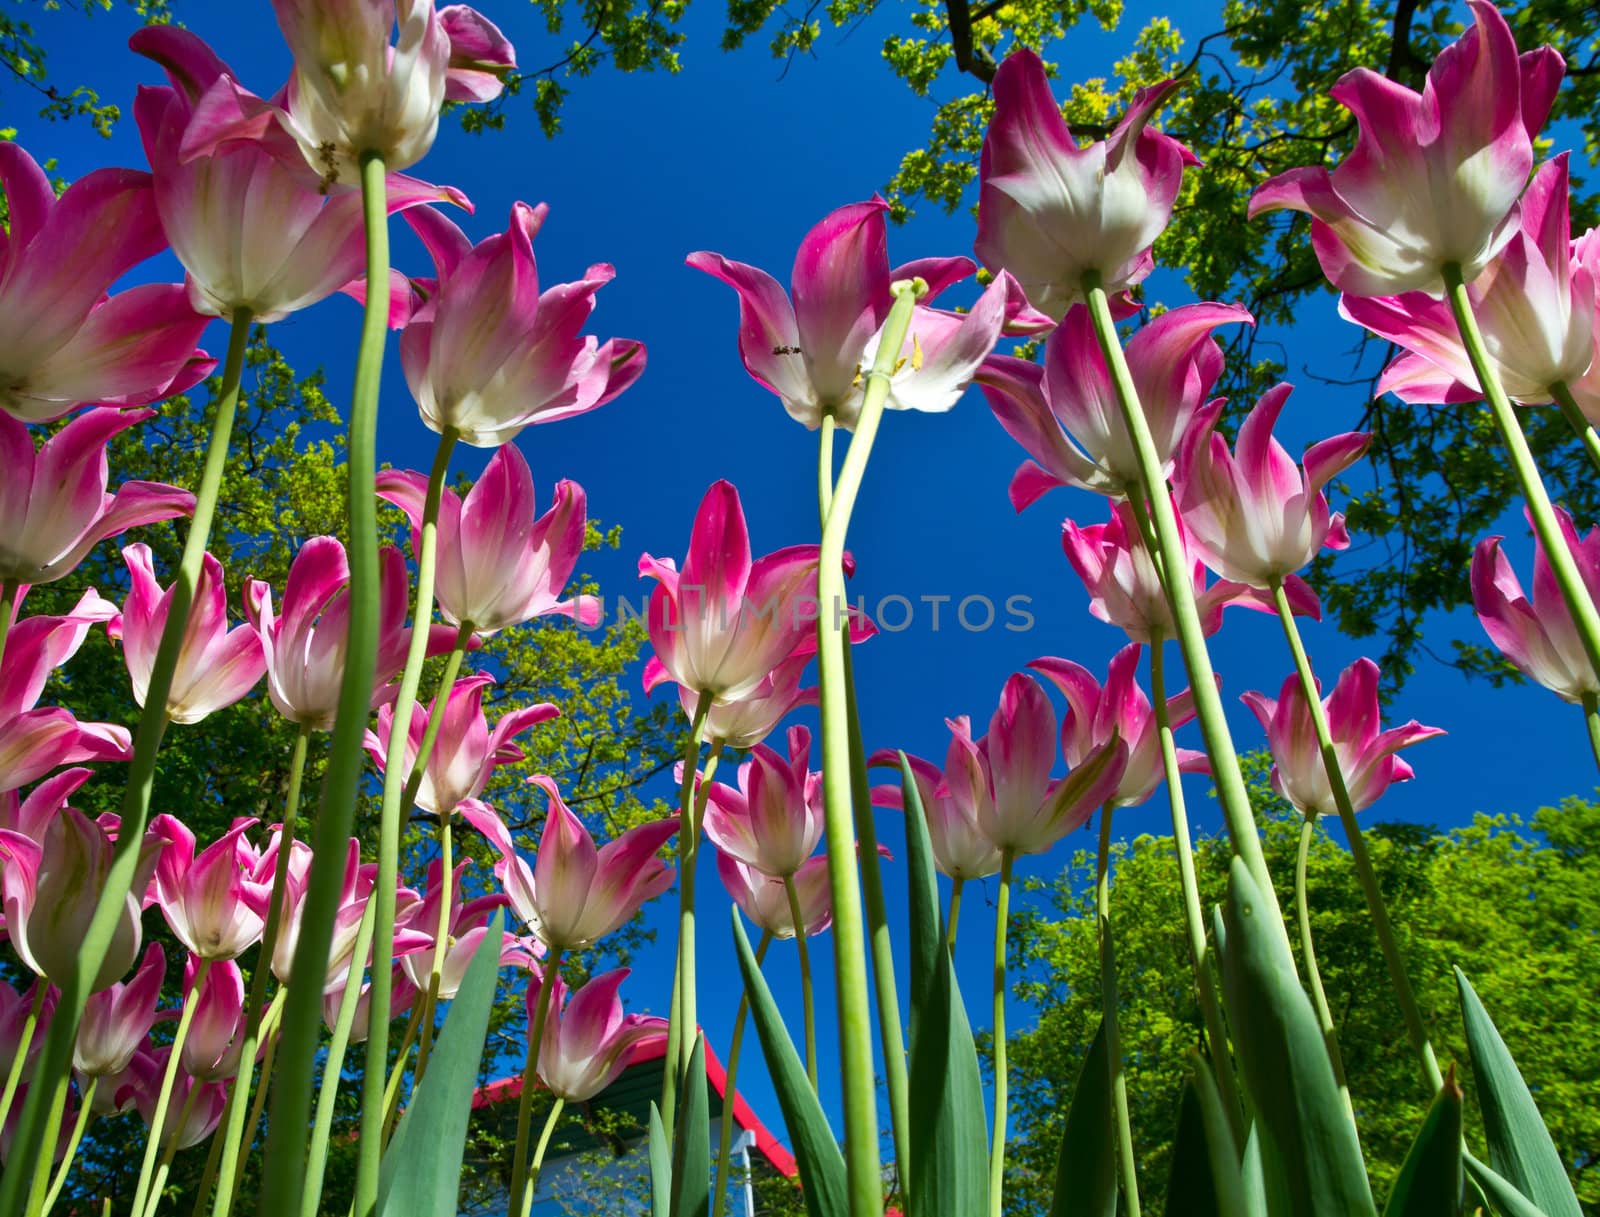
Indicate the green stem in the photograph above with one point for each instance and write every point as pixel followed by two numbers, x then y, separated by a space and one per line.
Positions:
pixel 141 1193
pixel 864 1182
pixel 1376 909
pixel 55 1057
pixel 997 1149
pixel 85 1114
pixel 530 1080
pixel 41 1169
pixel 253 1121
pixel 8 610
pixel 797 915
pixel 1109 1002
pixel 284 1169
pixel 441 699
pixel 19 1062
pixel 1193 910
pixel 1226 773
pixel 1319 996
pixel 391 1094
pixel 954 915
pixel 1575 419
pixel 1591 718
pixel 441 944
pixel 680 1027
pixel 538 1153
pixel 1573 591
pixel 239 1093
pixel 719 1197
pixel 169 1150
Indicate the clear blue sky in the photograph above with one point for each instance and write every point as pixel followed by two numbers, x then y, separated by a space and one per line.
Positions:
pixel 728 156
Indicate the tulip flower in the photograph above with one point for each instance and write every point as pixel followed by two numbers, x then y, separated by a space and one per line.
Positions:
pixel 355 93
pixel 745 721
pixel 14 1010
pixel 498 565
pixel 1538 634
pixel 587 1042
pixel 1052 212
pixel 489 354
pixel 1536 310
pixel 216 666
pixel 63 340
pixel 1434 177
pixel 813 352
pixel 212 1049
pixel 465 751
pixel 213 901
pixel 304 649
pixel 773 822
pixel 1254 515
pixel 53 503
pixel 33 815
pixel 117 1019
pixel 724 623
pixel 194 1109
pixel 1366 754
pixel 469 926
pixel 402 995
pixel 1066 413
pixel 950 802
pixel 575 894
pixel 1585 389
pixel 1097 714
pixel 765 899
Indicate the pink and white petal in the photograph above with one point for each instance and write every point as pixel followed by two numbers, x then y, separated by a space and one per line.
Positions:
pixel 131 347
pixel 769 336
pixel 841 293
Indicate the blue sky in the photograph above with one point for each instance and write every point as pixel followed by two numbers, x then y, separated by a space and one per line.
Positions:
pixel 737 156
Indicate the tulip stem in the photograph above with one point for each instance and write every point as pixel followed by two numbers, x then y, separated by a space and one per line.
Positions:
pixel 56 1056
pixel 8 610
pixel 169 1149
pixel 1579 603
pixel 798 917
pixel 1415 1027
pixel 997 1149
pixel 1319 997
pixel 441 942
pixel 1194 912
pixel 85 1114
pixel 391 1093
pixel 1229 778
pixel 719 1198
pixel 141 1193
pixel 253 1120
pixel 1109 1002
pixel 239 1093
pixel 550 1122
pixel 1576 420
pixel 441 699
pixel 954 915
pixel 864 1181
pixel 41 1168
pixel 683 981
pixel 530 1078
pixel 19 1061
pixel 1591 717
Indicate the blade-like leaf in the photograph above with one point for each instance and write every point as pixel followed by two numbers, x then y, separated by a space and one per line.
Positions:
pixel 927 921
pixel 1308 1145
pixel 1086 1166
pixel 425 1180
pixel 1253 1178
pixel 691 1152
pixel 1430 1180
pixel 1520 1148
pixel 660 1166
pixel 1205 1179
pixel 1503 1196
pixel 822 1175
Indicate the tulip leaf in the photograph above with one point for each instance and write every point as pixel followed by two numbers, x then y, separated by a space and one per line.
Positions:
pixel 1086 1165
pixel 691 1152
pixel 948 1171
pixel 1430 1181
pixel 1309 1151
pixel 1520 1148
pixel 420 1175
pixel 822 1173
pixel 660 1167
pixel 1205 1179
pixel 1253 1179
pixel 1502 1195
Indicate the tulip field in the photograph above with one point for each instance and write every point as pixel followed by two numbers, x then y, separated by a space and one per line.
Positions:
pixel 286 1000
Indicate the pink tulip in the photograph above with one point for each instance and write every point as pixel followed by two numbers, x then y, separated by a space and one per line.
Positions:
pixel 117 1019
pixel 813 352
pixel 53 503
pixel 1119 710
pixel 14 1010
pixel 950 802
pixel 214 1046
pixel 194 1109
pixel 1586 265
pixel 575 894
pixel 213 901
pixel 587 1042
pixel 773 822
pixel 1366 754
pixel 304 649
pixel 65 341
pixel 500 564
pixel 1052 212
pixel 33 815
pixel 765 900
pixel 1535 307
pixel 724 623
pixel 402 995
pixel 465 751
pixel 489 354
pixel 1434 177
pixel 469 926
pixel 1538 635
pixel 216 666
pixel 745 721
pixel 1066 413
pixel 1254 515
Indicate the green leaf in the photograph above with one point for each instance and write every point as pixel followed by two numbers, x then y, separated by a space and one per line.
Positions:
pixel 1503 1197
pixel 1205 1180
pixel 1086 1167
pixel 822 1175
pixel 691 1152
pixel 1309 1149
pixel 948 1172
pixel 425 1179
pixel 1253 1177
pixel 660 1167
pixel 1520 1148
pixel 1430 1181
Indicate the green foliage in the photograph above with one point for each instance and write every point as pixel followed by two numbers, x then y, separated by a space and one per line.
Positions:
pixel 22 55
